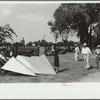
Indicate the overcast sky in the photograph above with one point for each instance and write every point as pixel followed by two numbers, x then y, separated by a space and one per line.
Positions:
pixel 28 20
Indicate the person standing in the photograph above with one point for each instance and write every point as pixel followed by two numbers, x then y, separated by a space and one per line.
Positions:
pixel 52 48
pixel 38 48
pixel 77 51
pixel 86 53
pixel 56 58
pixel 97 52
pixel 41 50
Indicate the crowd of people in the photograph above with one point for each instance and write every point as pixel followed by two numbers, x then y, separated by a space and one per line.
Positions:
pixel 83 54
pixel 86 54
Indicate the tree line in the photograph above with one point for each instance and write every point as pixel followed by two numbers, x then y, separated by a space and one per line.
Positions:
pixel 80 18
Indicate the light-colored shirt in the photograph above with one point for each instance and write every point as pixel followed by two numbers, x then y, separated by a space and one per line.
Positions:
pixel 77 50
pixel 52 48
pixel 86 50
pixel 97 51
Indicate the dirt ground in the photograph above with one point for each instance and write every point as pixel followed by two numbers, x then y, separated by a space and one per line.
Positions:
pixel 70 71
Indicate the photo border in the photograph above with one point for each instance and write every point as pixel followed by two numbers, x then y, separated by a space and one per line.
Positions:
pixel 50 90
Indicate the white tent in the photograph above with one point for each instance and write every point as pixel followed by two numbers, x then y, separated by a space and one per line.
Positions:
pixel 26 61
pixel 15 66
pixel 42 64
pixel 44 58
pixel 38 64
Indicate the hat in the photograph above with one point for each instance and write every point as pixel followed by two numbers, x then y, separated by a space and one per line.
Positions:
pixel 98 46
pixel 84 44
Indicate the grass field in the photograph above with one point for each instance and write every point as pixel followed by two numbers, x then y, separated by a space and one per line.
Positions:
pixel 70 71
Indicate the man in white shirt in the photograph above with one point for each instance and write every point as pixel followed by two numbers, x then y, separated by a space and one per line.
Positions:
pixel 77 51
pixel 86 53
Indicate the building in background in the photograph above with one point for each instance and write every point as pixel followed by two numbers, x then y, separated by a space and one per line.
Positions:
pixel 23 41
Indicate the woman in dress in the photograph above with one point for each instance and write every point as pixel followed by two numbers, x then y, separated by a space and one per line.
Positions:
pixel 56 58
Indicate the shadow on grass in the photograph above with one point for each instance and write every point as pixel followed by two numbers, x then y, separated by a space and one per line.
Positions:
pixel 14 74
pixel 62 70
pixel 80 59
pixel 91 67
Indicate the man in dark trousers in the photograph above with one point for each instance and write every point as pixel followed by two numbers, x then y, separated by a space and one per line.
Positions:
pixel 56 58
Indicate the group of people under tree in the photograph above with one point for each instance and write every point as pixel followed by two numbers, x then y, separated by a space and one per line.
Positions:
pixel 86 54
pixel 83 53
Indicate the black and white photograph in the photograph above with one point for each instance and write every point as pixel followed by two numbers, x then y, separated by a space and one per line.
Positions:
pixel 50 43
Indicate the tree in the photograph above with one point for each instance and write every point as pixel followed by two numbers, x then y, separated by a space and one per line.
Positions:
pixel 44 43
pixel 96 36
pixel 35 42
pixel 82 18
pixel 6 44
pixel 54 30
pixel 6 32
pixel 29 44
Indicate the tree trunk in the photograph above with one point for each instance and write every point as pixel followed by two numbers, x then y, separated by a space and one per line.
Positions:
pixel 83 32
pixel 90 38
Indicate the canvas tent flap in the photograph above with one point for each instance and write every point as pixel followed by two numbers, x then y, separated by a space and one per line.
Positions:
pixel 42 65
pixel 15 66
pixel 44 58
pixel 26 61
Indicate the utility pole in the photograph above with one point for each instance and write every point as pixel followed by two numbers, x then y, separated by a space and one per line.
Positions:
pixel 44 36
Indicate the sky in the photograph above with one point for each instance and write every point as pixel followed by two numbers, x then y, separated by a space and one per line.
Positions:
pixel 29 20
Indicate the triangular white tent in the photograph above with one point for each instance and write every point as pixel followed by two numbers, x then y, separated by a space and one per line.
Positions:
pixel 44 58
pixel 42 64
pixel 15 66
pixel 37 64
pixel 25 60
